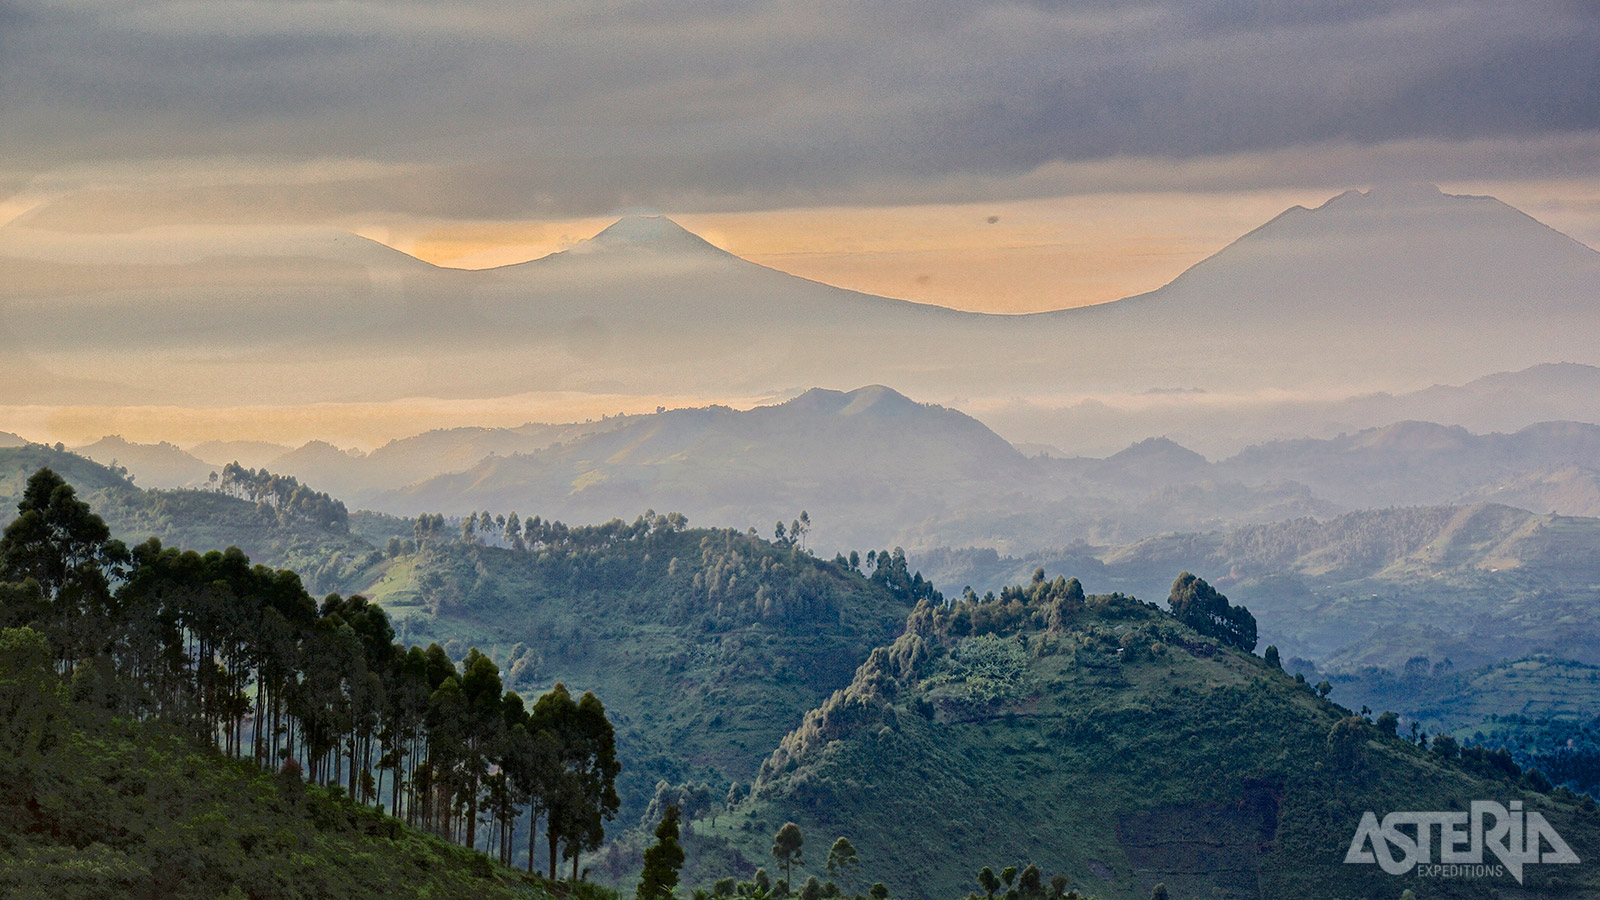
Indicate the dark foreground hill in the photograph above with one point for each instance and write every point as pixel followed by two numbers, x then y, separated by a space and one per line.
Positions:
pixel 95 807
pixel 708 644
pixel 1102 740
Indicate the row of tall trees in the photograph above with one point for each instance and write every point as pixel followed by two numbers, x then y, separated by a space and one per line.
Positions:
pixel 241 655
pixel 886 568
pixel 289 499
pixel 535 533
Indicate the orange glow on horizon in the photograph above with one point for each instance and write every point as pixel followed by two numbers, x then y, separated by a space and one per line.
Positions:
pixel 1006 257
pixel 360 425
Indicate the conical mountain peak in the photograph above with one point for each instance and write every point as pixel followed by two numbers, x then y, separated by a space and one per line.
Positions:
pixel 1392 253
pixel 653 234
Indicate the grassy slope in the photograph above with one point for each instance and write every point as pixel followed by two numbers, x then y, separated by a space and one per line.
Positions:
pixel 131 810
pixel 696 694
pixel 1195 766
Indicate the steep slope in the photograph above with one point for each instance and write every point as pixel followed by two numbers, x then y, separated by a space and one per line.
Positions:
pixel 1387 285
pixel 1384 542
pixel 86 475
pixel 1104 741
pixel 1400 254
pixel 1570 490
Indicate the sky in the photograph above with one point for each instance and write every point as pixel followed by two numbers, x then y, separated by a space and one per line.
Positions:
pixel 995 156
pixel 1113 142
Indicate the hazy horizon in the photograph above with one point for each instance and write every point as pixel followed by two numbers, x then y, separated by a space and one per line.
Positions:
pixel 161 258
pixel 178 190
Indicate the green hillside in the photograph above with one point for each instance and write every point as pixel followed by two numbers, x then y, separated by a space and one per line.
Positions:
pixel 1102 740
pixel 1496 604
pixel 328 557
pixel 98 807
pixel 707 645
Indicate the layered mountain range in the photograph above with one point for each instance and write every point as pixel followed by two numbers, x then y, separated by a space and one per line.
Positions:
pixel 874 468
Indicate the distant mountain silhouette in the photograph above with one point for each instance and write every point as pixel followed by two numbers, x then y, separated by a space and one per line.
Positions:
pixel 1386 254
pixel 250 454
pixel 650 234
pixel 1221 426
pixel 1422 463
pixel 160 465
pixel 1384 290
pixel 858 461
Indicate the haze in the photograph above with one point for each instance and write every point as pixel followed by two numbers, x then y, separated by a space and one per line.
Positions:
pixel 992 157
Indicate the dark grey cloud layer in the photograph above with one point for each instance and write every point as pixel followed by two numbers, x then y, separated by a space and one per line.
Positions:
pixel 578 106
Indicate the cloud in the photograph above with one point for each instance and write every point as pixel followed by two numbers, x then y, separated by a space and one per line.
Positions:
pixel 502 109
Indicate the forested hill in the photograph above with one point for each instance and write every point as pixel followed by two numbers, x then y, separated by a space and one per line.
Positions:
pixel 274 519
pixel 185 725
pixel 1104 740
pixel 707 644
